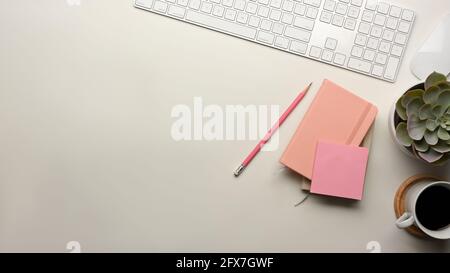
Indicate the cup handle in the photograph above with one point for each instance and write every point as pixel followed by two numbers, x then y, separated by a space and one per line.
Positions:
pixel 405 221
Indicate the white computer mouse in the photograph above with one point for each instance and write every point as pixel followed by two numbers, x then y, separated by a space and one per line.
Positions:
pixel 435 53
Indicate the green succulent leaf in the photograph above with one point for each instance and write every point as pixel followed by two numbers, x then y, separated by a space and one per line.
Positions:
pixel 421 146
pixel 444 99
pixel 444 85
pixel 438 111
pixel 443 134
pixel 431 156
pixel 432 124
pixel 434 79
pixel 401 110
pixel 413 106
pixel 416 127
pixel 402 135
pixel 426 112
pixel 431 137
pixel 411 95
pixel 442 147
pixel 431 95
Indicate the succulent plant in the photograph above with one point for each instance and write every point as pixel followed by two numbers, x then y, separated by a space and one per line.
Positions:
pixel 424 120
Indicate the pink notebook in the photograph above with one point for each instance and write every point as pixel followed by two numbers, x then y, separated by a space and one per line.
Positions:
pixel 335 115
pixel 339 170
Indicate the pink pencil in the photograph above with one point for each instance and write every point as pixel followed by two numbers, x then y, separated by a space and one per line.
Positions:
pixel 271 132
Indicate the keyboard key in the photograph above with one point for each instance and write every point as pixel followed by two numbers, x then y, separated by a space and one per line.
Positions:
pixel 397 50
pixel 371 4
pixel 353 12
pixel 331 43
pixel 392 23
pixel 176 11
pixel 288 6
pixel 376 31
pixel 303 23
pixel 404 26
pixel 357 51
pixel 239 5
pixel 408 15
pixel 230 14
pixel 385 47
pixel 315 3
pixel 372 43
pixel 145 3
pixel 315 52
pixel 287 18
pixel 350 24
pixel 230 27
pixel 242 18
pixel 361 40
pixel 395 12
pixel 263 11
pixel 275 3
pixel 206 7
pixel 282 42
pixel 275 15
pixel 329 5
pixel 299 47
pixel 338 20
pixel 266 25
pixel 357 3
pixel 391 68
pixel 379 20
pixel 312 13
pixel 252 8
pixel 218 11
pixel 388 35
pixel 383 8
pixel 369 55
pixel 227 3
pixel 339 59
pixel 254 21
pixel 341 9
pixel 377 71
pixel 183 3
pixel 195 4
pixel 160 6
pixel 381 59
pixel 327 55
pixel 400 39
pixel 367 16
pixel 278 28
pixel 359 65
pixel 364 28
pixel 265 37
pixel 300 9
pixel 298 34
pixel 326 17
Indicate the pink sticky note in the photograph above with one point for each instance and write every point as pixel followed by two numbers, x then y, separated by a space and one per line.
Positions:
pixel 339 170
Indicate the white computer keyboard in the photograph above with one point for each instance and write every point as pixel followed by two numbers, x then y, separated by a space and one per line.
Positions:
pixel 364 36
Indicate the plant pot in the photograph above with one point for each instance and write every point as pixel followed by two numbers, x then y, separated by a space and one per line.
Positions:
pixel 394 120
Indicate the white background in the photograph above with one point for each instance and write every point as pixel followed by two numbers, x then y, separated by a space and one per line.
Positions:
pixel 86 153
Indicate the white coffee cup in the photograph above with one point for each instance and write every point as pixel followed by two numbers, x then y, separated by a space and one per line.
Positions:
pixel 409 218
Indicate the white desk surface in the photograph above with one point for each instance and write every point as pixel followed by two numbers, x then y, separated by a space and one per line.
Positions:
pixel 86 155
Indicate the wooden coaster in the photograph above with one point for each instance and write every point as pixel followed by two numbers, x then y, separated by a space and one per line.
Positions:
pixel 400 198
